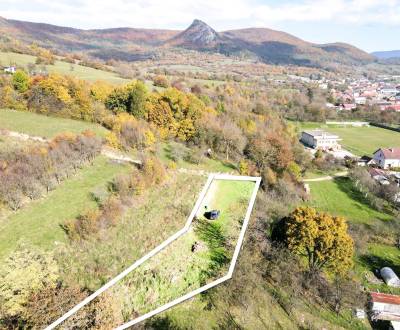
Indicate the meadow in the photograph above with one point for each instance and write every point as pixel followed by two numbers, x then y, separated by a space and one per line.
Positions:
pixel 39 222
pixel 44 126
pixel 338 197
pixel 76 70
pixel 153 217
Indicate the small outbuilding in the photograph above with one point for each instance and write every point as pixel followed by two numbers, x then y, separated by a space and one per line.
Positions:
pixel 384 306
pixel 390 277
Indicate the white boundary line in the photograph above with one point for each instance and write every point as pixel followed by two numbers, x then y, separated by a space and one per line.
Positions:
pixel 164 245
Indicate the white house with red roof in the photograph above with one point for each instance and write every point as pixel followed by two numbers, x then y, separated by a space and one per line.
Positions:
pixel 384 306
pixel 387 158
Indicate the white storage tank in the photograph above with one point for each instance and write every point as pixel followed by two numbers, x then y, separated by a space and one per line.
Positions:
pixel 390 277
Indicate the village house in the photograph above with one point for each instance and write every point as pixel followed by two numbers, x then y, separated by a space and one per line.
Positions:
pixel 10 69
pixel 384 306
pixel 319 139
pixel 387 158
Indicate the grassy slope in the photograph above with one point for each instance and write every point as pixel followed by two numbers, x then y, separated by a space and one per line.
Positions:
pixel 39 222
pixel 206 163
pixel 177 270
pixel 153 217
pixel 337 197
pixel 9 144
pixel 40 125
pixel 79 71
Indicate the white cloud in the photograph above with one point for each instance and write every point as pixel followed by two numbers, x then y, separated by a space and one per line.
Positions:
pixel 219 13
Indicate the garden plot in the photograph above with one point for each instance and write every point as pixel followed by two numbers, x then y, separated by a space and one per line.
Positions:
pixel 200 256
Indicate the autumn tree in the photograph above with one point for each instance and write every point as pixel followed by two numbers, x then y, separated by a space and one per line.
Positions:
pixel 320 237
pixel 130 98
pixel 22 273
pixel 161 81
pixel 20 81
pixel 270 150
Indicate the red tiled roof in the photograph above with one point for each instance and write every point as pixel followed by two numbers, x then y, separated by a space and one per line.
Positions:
pixel 385 298
pixel 391 153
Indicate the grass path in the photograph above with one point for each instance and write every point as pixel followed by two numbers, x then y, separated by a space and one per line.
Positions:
pixel 328 177
pixel 38 223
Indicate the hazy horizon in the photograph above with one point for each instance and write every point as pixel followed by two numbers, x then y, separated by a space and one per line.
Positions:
pixel 370 25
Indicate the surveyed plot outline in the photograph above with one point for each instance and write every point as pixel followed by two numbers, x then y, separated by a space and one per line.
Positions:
pixel 162 246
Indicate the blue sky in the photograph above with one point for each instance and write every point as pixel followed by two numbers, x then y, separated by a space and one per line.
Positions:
pixel 369 24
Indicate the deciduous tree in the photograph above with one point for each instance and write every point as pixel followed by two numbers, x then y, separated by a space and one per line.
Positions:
pixel 321 238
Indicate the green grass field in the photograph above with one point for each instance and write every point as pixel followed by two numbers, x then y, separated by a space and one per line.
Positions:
pixel 365 140
pixel 166 154
pixel 44 126
pixel 359 140
pixel 178 269
pixel 339 198
pixel 38 223
pixel 78 71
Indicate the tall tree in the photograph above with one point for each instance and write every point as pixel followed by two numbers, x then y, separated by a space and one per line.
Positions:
pixel 321 238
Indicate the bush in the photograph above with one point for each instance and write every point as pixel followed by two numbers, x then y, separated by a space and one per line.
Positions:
pixel 161 81
pixel 193 157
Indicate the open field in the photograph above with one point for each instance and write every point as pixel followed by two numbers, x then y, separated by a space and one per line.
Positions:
pixel 175 152
pixel 38 223
pixel 365 140
pixel 78 71
pixel 359 140
pixel 339 198
pixel 44 126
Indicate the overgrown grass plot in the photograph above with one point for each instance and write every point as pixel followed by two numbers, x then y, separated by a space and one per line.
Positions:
pixel 196 258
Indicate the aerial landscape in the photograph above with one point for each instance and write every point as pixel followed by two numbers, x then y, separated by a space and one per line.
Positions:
pixel 223 165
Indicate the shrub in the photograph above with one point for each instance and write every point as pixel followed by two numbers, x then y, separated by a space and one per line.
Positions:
pixel 24 272
pixel 161 81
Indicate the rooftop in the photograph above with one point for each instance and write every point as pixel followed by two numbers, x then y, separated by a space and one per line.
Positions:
pixel 318 133
pixel 385 298
pixel 390 153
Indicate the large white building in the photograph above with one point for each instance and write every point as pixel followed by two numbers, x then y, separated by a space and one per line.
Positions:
pixel 319 139
pixel 387 157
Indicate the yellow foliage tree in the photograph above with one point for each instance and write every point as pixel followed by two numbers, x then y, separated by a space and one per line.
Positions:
pixel 321 238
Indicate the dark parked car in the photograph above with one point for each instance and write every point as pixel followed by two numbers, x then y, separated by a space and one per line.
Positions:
pixel 212 215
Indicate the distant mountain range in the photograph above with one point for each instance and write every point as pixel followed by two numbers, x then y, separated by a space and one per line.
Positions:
pixel 131 44
pixel 385 55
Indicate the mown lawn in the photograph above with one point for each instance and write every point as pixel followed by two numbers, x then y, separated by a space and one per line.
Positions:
pixel 179 269
pixel 365 140
pixel 78 71
pixel 38 223
pixel 44 126
pixel 339 198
